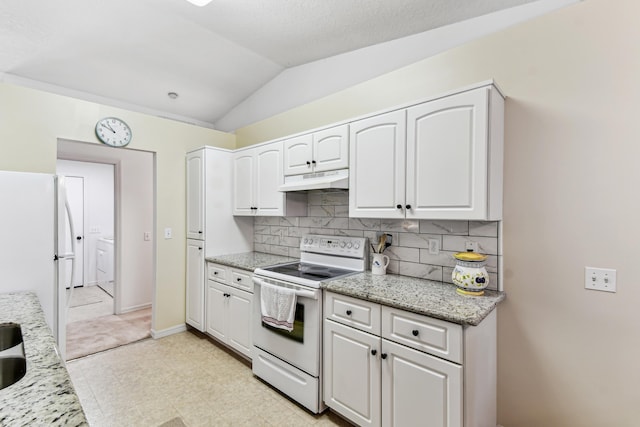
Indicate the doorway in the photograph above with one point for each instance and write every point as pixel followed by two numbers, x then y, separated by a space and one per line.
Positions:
pixel 91 198
pixel 131 241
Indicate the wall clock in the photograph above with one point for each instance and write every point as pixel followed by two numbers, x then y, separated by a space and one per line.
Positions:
pixel 113 132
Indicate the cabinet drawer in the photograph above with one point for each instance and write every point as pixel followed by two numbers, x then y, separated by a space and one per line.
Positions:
pixel 241 280
pixel 360 314
pixel 217 272
pixel 437 337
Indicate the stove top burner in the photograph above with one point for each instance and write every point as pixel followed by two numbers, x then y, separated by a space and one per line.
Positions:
pixel 309 271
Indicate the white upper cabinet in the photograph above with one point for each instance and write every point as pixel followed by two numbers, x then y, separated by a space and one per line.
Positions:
pixel 243 182
pixel 316 152
pixel 447 157
pixel 195 195
pixel 298 153
pixel 443 161
pixel 377 172
pixel 257 174
pixel 269 177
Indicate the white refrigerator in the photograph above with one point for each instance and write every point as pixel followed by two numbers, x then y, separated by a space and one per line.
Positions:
pixel 36 243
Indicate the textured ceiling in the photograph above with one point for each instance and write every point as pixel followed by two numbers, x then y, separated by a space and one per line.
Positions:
pixel 213 56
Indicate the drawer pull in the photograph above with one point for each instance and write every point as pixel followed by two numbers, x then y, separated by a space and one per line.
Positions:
pixel 348 312
pixel 215 273
pixel 239 279
pixel 374 352
pixel 383 355
pixel 415 332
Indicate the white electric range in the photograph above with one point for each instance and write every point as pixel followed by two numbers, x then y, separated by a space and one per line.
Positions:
pixel 292 361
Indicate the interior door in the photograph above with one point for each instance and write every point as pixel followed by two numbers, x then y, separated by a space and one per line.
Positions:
pixel 75 196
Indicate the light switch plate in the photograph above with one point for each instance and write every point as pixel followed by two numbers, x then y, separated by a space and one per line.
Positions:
pixel 167 233
pixel 600 279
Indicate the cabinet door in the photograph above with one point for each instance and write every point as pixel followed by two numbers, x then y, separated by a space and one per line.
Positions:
pixel 447 157
pixel 352 373
pixel 419 389
pixel 195 195
pixel 377 166
pixel 298 154
pixel 239 321
pixel 195 284
pixel 269 177
pixel 243 183
pixel 331 149
pixel 217 316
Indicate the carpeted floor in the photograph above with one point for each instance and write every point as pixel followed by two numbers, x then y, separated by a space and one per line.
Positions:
pixel 91 336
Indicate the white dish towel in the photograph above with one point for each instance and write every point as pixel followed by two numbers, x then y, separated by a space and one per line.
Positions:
pixel 278 306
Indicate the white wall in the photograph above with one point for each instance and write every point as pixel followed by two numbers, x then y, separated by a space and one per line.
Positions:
pixel 98 207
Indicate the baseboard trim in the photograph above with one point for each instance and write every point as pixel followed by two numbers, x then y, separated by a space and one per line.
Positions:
pixel 135 308
pixel 169 331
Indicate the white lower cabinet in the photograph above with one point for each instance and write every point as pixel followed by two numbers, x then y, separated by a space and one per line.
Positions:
pixel 419 387
pixel 195 284
pixel 228 306
pixel 352 373
pixel 396 368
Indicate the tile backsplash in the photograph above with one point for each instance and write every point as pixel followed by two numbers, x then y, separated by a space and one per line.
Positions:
pixel 328 213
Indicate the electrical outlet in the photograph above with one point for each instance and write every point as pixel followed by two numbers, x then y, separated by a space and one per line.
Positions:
pixel 167 233
pixel 600 279
pixel 434 246
pixel 471 246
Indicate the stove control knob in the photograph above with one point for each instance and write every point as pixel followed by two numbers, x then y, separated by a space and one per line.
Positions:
pixel 349 245
pixel 356 245
pixel 342 244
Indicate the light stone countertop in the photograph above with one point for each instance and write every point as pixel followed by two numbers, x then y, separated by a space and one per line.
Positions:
pixel 249 260
pixel 434 299
pixel 45 395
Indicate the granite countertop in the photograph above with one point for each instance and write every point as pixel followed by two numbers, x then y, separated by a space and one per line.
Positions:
pixel 45 395
pixel 433 299
pixel 250 260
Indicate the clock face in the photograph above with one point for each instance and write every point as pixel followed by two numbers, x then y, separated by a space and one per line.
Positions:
pixel 113 132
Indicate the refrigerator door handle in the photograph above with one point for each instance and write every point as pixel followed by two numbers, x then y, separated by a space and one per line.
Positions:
pixel 70 255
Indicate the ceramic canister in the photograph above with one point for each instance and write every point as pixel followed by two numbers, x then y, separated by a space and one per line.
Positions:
pixel 470 274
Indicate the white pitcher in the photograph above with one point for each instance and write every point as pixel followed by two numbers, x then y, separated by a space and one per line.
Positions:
pixel 379 264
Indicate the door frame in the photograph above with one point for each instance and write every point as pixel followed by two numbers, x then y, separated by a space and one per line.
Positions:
pixel 95 153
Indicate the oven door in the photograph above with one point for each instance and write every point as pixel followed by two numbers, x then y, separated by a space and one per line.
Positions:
pixel 300 347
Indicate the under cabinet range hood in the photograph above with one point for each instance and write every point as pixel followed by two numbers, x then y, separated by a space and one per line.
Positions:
pixel 316 181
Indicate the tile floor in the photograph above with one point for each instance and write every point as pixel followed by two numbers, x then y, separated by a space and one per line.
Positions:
pixel 152 381
pixel 89 302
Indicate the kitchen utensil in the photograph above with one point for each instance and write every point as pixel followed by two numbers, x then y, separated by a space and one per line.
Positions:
pixel 388 242
pixel 470 274
pixel 383 239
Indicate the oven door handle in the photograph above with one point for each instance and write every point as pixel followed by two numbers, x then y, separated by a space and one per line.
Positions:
pixel 303 293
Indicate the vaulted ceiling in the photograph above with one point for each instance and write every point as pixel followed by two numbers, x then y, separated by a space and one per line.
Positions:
pixel 134 52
